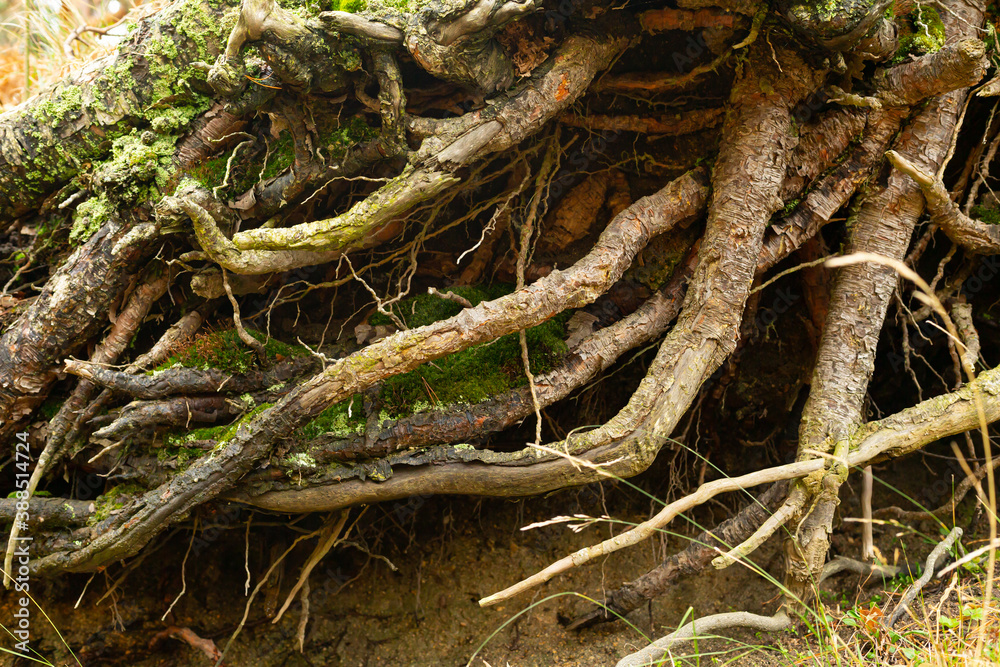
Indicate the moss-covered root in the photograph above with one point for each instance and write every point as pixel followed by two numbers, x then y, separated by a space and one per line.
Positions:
pixel 302 54
pixel 181 380
pixel 840 25
pixel 47 140
pixel 401 352
pixel 192 201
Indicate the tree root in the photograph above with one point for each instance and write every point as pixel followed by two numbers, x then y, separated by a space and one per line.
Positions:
pixel 858 304
pixel 892 437
pixel 933 561
pixel 965 231
pixel 559 290
pixel 691 560
pixel 655 652
pixel 173 381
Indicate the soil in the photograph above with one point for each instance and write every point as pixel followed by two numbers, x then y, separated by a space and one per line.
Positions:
pixel 447 554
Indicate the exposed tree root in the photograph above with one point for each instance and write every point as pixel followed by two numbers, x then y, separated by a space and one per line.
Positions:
pixel 691 560
pixel 702 628
pixel 858 304
pixel 930 566
pixel 892 437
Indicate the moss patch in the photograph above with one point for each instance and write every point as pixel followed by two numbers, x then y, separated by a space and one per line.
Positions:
pixel 342 419
pixel 472 375
pixel 990 216
pixel 920 33
pixel 115 499
pixel 225 351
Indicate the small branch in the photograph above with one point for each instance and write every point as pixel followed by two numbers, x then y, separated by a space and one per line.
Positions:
pixel 867 537
pixel 450 296
pixel 768 528
pixel 929 566
pixel 704 628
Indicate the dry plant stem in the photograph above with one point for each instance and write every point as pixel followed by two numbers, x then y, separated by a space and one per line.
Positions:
pixel 328 538
pixel 704 628
pixel 892 437
pixel 858 304
pixel 247 339
pixel 933 560
pixel 399 353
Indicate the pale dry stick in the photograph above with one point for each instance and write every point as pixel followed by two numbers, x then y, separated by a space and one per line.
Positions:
pixel 545 173
pixel 260 584
pixel 929 298
pixel 300 632
pixel 330 536
pixel 867 536
pixel 251 342
pixel 768 528
pixel 184 584
pixel 703 627
pixel 972 555
pixel 918 585
pixel 648 528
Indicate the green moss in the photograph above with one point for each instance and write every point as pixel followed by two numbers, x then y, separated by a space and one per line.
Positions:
pixel 342 419
pixel 472 375
pixel 225 351
pixel 88 218
pixel 51 406
pixel 990 216
pixel 349 134
pixel 921 33
pixel 281 156
pixel 424 309
pixel 178 439
pixel 60 105
pixel 115 499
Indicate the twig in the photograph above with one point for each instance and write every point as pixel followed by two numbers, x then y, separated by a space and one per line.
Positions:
pixel 929 566
pixel 867 538
pixel 652 654
pixel 450 296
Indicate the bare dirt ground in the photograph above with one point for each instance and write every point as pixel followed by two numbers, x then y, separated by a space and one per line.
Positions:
pixel 449 552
